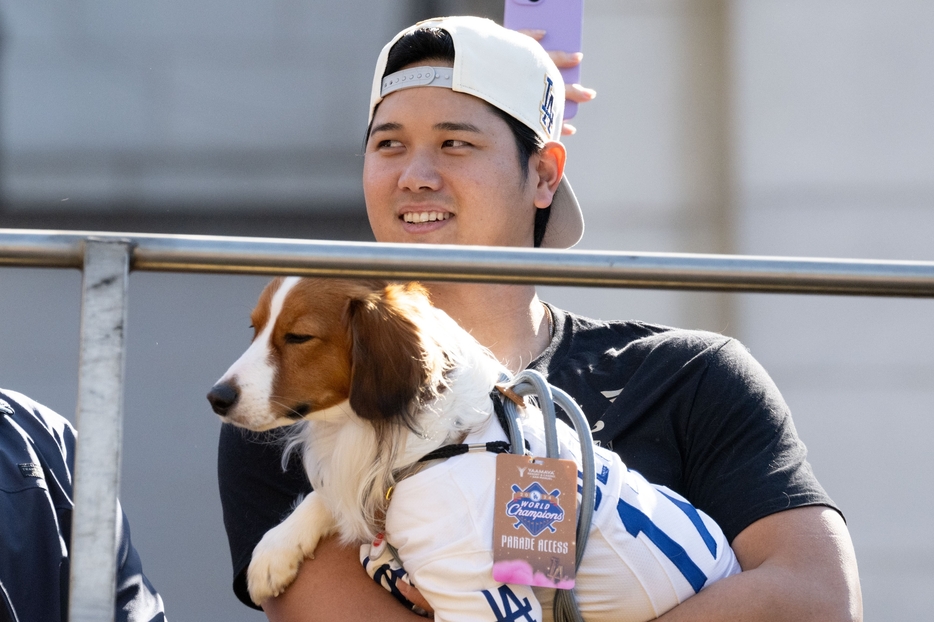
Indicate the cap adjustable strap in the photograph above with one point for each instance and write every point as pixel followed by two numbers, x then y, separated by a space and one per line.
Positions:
pixel 417 76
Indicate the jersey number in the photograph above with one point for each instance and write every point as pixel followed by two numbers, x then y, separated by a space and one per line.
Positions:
pixel 636 522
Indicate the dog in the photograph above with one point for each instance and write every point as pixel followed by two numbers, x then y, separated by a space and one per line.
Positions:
pixel 379 378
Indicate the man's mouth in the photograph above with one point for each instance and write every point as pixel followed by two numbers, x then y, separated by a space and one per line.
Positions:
pixel 417 217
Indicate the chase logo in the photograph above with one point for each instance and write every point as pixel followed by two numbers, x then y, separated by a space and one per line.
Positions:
pixel 534 508
pixel 548 106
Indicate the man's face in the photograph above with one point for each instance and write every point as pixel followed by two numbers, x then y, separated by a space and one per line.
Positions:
pixel 441 167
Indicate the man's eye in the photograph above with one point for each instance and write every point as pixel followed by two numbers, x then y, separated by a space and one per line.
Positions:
pixel 455 143
pixel 388 144
pixel 297 338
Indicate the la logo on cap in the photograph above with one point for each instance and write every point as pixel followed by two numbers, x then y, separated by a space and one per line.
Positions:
pixel 548 106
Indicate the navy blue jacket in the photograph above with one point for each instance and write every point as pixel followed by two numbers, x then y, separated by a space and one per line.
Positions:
pixel 37 454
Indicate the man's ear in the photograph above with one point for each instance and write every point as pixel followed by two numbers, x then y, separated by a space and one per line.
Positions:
pixel 550 169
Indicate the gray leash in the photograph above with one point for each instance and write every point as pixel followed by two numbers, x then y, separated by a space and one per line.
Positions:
pixel 530 382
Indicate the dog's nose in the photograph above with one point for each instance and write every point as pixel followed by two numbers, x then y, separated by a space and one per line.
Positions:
pixel 223 396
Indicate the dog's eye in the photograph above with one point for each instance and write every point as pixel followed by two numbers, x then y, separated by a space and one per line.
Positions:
pixel 296 338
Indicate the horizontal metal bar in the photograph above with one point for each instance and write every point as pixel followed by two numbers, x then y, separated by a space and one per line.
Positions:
pixel 237 255
pixel 39 249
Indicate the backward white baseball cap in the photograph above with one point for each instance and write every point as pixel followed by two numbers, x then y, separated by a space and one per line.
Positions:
pixel 508 70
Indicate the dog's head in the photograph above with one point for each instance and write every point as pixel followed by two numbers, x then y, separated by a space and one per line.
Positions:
pixel 319 342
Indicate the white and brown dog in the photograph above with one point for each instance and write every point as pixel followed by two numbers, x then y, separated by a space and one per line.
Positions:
pixel 381 378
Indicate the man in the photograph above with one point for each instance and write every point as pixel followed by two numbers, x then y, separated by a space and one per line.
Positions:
pixel 463 149
pixel 37 453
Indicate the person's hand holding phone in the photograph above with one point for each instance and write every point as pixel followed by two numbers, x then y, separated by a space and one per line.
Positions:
pixel 565 60
pixel 558 25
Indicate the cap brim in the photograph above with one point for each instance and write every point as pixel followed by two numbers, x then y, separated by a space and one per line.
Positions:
pixel 566 222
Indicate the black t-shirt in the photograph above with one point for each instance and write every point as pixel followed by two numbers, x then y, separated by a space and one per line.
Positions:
pixel 690 410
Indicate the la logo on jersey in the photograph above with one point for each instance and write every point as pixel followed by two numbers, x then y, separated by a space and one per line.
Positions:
pixel 535 508
pixel 548 106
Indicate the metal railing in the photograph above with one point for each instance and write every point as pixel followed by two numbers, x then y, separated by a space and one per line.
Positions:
pixel 107 258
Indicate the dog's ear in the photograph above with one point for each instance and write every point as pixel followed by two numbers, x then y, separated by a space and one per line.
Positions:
pixel 389 366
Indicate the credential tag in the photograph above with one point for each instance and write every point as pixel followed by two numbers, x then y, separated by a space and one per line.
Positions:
pixel 535 521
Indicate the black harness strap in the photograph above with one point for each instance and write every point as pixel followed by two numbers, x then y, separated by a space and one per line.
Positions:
pixel 496 447
pixel 449 451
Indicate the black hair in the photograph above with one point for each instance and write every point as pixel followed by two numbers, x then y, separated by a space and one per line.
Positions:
pixel 429 44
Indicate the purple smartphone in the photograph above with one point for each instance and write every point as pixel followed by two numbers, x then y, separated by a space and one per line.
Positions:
pixel 563 23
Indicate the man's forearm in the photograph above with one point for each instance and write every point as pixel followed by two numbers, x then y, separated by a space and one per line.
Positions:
pixel 334 587
pixel 798 565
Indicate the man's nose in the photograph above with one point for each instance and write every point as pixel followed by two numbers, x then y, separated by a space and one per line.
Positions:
pixel 420 172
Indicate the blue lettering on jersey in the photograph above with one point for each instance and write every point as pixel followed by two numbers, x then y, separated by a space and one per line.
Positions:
pixel 508 600
pixel 604 474
pixel 636 522
pixel 602 477
pixel 598 495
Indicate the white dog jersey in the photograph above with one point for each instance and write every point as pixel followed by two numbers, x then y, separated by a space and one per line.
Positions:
pixel 648 548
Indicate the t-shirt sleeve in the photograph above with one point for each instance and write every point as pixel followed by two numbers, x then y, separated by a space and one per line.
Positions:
pixel 742 458
pixel 256 495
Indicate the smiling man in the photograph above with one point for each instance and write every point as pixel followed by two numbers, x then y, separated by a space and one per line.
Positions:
pixel 463 148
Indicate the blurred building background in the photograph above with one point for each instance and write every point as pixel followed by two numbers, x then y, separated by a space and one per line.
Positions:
pixel 787 127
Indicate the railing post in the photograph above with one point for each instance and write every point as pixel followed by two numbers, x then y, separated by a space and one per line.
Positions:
pixel 100 430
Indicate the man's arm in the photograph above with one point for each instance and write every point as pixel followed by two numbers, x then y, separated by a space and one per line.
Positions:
pixel 334 587
pixel 798 565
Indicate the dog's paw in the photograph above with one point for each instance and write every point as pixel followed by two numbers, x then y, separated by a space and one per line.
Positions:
pixel 275 563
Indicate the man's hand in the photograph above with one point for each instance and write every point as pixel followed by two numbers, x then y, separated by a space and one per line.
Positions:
pixel 411 593
pixel 564 60
pixel 798 565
